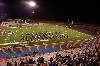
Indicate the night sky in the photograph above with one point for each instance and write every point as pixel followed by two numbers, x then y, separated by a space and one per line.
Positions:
pixel 52 9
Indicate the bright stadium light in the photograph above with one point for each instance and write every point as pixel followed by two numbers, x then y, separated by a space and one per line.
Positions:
pixel 31 3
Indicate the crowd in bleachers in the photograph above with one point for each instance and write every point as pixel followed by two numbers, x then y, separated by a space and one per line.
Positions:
pixel 83 56
pixel 60 58
pixel 19 53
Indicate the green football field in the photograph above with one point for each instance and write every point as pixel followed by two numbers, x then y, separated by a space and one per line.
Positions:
pixel 16 34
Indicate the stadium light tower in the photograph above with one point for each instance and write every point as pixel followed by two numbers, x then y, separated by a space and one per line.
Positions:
pixel 31 4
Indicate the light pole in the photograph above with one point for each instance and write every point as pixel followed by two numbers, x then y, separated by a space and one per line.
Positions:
pixel 32 5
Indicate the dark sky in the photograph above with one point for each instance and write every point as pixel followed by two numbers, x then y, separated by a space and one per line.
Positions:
pixel 54 9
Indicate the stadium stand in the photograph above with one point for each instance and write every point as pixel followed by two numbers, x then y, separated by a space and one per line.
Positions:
pixel 26 53
pixel 64 53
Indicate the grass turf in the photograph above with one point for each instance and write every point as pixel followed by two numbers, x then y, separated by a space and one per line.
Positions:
pixel 17 32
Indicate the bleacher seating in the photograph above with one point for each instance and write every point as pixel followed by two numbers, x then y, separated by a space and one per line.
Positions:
pixel 25 53
pixel 33 47
pixel 1 52
pixel 25 49
pixel 8 50
pixel 17 50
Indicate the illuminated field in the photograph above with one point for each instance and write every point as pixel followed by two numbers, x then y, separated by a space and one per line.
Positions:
pixel 43 33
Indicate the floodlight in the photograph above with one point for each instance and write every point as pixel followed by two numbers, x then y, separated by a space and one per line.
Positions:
pixel 31 3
